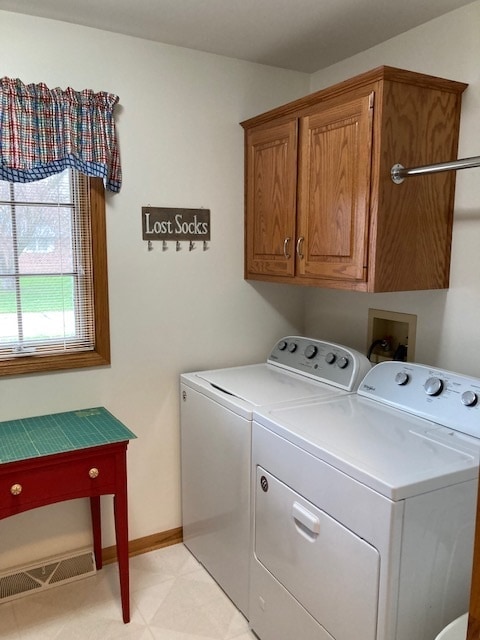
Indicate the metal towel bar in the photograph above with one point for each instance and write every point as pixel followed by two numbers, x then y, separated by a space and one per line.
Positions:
pixel 399 172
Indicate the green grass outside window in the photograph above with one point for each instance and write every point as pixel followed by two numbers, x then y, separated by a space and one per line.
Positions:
pixel 39 294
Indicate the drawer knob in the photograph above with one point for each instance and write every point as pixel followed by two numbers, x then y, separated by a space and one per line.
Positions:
pixel 16 489
pixel 93 473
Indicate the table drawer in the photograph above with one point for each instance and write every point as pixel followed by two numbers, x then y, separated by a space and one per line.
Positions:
pixel 60 480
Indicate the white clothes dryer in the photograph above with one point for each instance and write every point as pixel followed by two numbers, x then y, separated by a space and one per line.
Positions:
pixel 364 508
pixel 216 410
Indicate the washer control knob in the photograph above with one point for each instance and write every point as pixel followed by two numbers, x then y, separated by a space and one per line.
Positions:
pixel 330 358
pixel 343 362
pixel 292 347
pixel 282 345
pixel 433 386
pixel 311 351
pixel 469 398
pixel 402 378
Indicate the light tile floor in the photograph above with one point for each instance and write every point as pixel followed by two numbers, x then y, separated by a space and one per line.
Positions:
pixel 172 598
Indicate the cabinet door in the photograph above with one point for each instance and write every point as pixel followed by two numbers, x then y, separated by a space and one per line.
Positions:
pixel 271 173
pixel 334 191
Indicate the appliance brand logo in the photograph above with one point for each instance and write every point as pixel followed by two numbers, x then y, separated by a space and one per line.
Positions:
pixel 368 387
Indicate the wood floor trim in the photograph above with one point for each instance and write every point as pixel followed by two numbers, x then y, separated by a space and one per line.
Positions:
pixel 143 545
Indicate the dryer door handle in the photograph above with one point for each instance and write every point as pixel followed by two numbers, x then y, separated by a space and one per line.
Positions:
pixel 306 522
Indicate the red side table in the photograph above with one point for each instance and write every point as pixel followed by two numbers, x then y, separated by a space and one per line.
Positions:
pixel 66 456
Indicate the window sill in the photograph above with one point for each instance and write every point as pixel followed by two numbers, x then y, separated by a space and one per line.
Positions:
pixel 38 364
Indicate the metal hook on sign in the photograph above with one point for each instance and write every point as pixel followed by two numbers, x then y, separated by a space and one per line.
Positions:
pixel 191 246
pixel 205 245
pixel 178 246
pixel 164 245
pixel 150 245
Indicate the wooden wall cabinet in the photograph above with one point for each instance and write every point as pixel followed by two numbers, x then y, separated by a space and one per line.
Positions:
pixel 320 206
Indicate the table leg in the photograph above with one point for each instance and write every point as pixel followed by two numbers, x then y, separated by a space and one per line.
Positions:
pixel 97 530
pixel 121 533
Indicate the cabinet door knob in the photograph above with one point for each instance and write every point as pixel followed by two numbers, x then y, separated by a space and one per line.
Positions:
pixel 93 473
pixel 285 248
pixel 299 247
pixel 16 489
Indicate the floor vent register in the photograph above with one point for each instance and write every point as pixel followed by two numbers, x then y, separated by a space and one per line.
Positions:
pixel 21 581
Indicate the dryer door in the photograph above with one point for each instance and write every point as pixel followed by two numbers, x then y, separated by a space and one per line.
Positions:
pixel 328 569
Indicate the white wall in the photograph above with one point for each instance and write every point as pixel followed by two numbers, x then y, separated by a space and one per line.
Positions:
pixel 181 146
pixel 448 321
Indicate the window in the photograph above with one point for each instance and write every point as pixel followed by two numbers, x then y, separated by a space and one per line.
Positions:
pixel 53 274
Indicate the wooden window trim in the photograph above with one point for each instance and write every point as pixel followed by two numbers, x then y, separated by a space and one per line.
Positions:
pixel 100 356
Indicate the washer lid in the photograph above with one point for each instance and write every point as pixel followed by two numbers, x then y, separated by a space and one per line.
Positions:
pixel 394 453
pixel 244 388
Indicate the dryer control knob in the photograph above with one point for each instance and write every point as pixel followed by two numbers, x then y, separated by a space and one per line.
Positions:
pixel 311 351
pixel 282 345
pixel 469 398
pixel 292 347
pixel 343 362
pixel 433 386
pixel 402 378
pixel 330 358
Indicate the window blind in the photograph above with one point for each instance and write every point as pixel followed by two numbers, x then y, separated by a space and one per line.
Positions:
pixel 46 273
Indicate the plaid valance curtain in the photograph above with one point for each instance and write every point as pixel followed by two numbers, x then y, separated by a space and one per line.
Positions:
pixel 44 131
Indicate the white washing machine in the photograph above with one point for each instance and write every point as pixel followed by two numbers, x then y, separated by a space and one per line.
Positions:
pixel 364 509
pixel 216 409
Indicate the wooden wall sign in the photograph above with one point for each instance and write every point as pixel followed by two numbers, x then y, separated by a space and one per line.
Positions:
pixel 161 223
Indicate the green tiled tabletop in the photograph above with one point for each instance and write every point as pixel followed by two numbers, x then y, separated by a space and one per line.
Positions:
pixel 59 432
